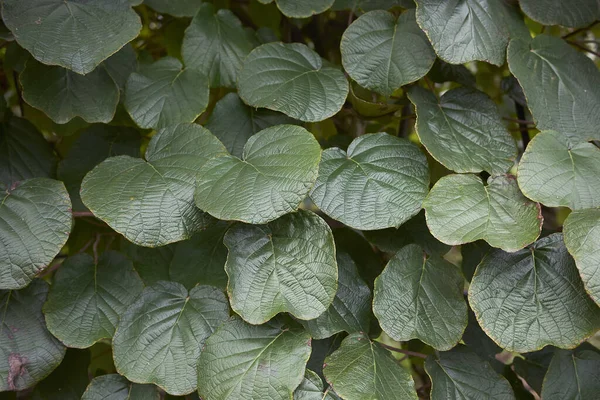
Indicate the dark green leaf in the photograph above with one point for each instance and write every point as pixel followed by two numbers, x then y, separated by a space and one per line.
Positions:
pixel 116 387
pixel 574 13
pixel 573 375
pixel 177 8
pixel 472 254
pixel 311 388
pixel 303 8
pixel 533 366
pixel 68 381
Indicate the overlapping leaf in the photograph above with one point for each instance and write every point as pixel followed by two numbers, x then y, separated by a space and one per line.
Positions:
pixel 116 387
pixel 311 388
pixel 177 8
pixel 303 8
pixel 573 375
pixel 574 13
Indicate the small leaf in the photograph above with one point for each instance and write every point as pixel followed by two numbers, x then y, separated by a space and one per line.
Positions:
pixel 292 79
pixel 151 263
pixel 158 339
pixel 68 381
pixel 151 202
pixel 532 298
pixel 77 35
pixel 380 182
pixel 472 254
pixel 420 297
pixel 241 361
pixel 311 388
pixel 287 265
pixel 573 375
pixel 35 222
pixel 303 8
pixel 362 370
pixel 461 374
pixel 574 14
pixel 382 52
pixel 462 209
pixel 557 170
pixel 121 64
pixel 534 366
pixel 164 93
pixel 278 167
pixel 87 299
pixel 463 130
pixel 28 352
pixel 176 8
pixel 116 387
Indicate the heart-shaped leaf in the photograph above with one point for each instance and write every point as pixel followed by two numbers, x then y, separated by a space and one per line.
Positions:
pixel 382 52
pixel 176 8
pixel 279 165
pixel 87 298
pixel 574 13
pixel 291 78
pixel 420 297
pixel 151 202
pixel 380 182
pixel 159 337
pixel 116 387
pixel 462 209
pixel 573 375
pixel 74 34
pixel 241 361
pixel 303 8
pixel 463 130
pixel 533 298
pixel 35 222
pixel 560 171
pixel 287 265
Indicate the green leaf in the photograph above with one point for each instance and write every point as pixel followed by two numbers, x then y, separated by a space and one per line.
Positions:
pixel 369 5
pixel 292 79
pixel 233 122
pixel 463 130
pixel 462 209
pixel 74 34
pixel 28 352
pixel 287 265
pixel 442 72
pixel 241 361
pixel 278 167
pixel 532 298
pixel 582 238
pixel 573 375
pixel 562 85
pixel 116 387
pixel 158 339
pixel 350 310
pixel 215 44
pixel 303 8
pixel 120 65
pixel 380 182
pixel 533 366
pixel 472 254
pixel 64 94
pixel 311 388
pixel 176 8
pixel 461 374
pixel 368 262
pixel 420 297
pixel 465 30
pixel 382 52
pixel 560 171
pixel 35 222
pixel 24 153
pixel 68 381
pixel 87 298
pixel 95 144
pixel 152 264
pixel 164 93
pixel 362 370
pixel 151 202
pixel 574 14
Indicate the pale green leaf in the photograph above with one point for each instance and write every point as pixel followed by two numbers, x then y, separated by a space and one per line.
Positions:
pixel 573 375
pixel 572 13
pixel 303 8
pixel 177 8
pixel 116 387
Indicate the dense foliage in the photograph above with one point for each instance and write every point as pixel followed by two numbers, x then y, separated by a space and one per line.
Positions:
pixel 300 199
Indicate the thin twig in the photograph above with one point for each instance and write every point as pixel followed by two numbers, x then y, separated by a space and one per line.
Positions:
pixel 577 31
pixel 584 48
pixel 522 125
pixel 402 351
pixel 430 85
pixel 19 93
pixel 78 214
pixel 86 246
pixel 95 248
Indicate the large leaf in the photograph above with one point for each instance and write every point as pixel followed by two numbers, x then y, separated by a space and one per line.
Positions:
pixel 64 94
pixel 177 8
pixel 28 352
pixel 75 34
pixel 380 182
pixel 151 202
pixel 241 361
pixel 461 374
pixel 216 44
pixel 463 130
pixel 165 93
pixel 573 375
pixel 582 238
pixel 362 370
pixel 159 337
pixel 382 52
pixel 95 144
pixel 287 265
pixel 292 79
pixel 560 171
pixel 35 222
pixel 350 310
pixel 464 30
pixel 233 122
pixel 87 298
pixel 562 85
pixel 279 165
pixel 532 298
pixel 303 8
pixel 462 209
pixel 574 13
pixel 116 387
pixel 24 153
pixel 421 297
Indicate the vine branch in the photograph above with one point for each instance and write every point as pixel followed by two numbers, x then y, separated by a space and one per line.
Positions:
pixel 402 351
